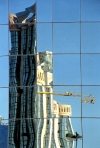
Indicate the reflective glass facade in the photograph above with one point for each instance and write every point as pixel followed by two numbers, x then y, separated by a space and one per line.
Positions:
pixel 48 48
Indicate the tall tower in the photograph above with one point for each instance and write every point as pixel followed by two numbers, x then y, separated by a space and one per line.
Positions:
pixel 22 73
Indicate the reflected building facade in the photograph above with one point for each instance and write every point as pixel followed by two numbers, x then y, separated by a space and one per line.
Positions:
pixel 36 119
pixel 3 133
pixel 22 73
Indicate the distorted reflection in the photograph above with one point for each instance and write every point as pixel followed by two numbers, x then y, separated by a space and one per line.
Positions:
pixel 50 52
pixel 43 121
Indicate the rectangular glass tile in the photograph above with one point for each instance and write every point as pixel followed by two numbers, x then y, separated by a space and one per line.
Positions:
pixel 91 132
pixel 4 73
pixel 22 12
pixel 4 100
pixel 90 10
pixel 44 8
pixel 19 6
pixel 44 37
pixel 91 103
pixel 66 11
pixel 4 12
pixel 4 40
pixel 66 37
pixel 90 42
pixel 66 69
pixel 90 69
pixel 77 126
pixel 69 95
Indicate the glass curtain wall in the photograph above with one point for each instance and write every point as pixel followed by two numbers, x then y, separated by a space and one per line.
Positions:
pixel 50 74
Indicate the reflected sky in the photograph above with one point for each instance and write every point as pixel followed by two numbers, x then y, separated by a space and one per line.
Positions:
pixel 46 8
pixel 90 10
pixel 44 37
pixel 4 44
pixel 70 69
pixel 90 71
pixel 66 37
pixel 90 37
pixel 4 12
pixel 4 73
pixel 19 6
pixel 66 11
pixel 90 132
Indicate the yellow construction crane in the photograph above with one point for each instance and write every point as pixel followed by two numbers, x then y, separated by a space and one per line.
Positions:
pixel 86 99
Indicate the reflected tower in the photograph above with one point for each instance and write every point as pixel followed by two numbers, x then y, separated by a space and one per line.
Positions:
pixel 3 133
pixel 22 73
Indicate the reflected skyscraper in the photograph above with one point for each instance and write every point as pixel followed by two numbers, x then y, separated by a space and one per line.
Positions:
pixel 3 133
pixel 55 120
pixel 22 73
pixel 36 119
